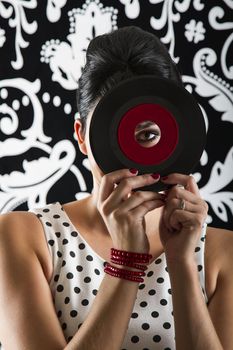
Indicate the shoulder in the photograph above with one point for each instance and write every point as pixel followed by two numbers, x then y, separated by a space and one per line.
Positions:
pixel 218 256
pixel 23 231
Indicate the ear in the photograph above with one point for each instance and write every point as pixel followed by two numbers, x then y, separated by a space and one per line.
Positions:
pixel 78 127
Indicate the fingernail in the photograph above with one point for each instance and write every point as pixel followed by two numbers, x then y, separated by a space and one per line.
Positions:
pixel 155 176
pixel 164 178
pixel 133 171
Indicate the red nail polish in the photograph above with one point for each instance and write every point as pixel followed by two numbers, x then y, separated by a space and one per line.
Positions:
pixel 133 171
pixel 155 176
pixel 164 178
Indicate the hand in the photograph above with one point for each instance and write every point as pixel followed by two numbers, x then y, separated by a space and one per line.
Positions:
pixel 180 229
pixel 123 211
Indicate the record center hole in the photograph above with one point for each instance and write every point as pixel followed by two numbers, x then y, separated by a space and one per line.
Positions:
pixel 147 134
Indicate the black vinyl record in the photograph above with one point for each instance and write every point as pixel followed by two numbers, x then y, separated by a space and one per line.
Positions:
pixel 162 103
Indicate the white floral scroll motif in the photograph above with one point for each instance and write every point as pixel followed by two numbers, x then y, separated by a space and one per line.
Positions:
pixel 66 60
pixel 132 8
pixel 218 12
pixel 221 175
pixel 9 123
pixel 194 31
pixel 38 177
pixel 169 17
pixel 208 84
pixel 19 22
pixel 2 37
pixel 53 10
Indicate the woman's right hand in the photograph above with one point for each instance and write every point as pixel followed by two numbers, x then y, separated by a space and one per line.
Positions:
pixel 123 211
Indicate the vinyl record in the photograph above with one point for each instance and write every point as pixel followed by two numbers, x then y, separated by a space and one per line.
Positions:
pixel 178 128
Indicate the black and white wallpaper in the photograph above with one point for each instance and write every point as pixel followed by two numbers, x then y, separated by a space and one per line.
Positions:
pixel 42 50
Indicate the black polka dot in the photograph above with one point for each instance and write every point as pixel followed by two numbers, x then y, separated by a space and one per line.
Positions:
pixel 39 215
pixel 105 263
pixel 145 326
pixel 56 277
pixel 156 338
pixel 58 234
pixel 158 261
pixel 64 325
pixel 80 324
pixel 152 292
pixel 155 314
pixel 63 263
pixel 69 275
pixel 59 254
pixel 66 224
pixel 72 254
pixel 203 239
pixel 48 223
pixel 169 291
pixel 172 313
pixel 79 268
pixel 62 208
pixel 167 349
pixel 89 258
pixel 197 249
pixel 73 313
pixel 65 241
pixel 141 286
pixel 81 246
pixel 59 313
pixel 51 242
pixel 85 302
pixel 166 325
pixel 77 290
pixel 95 291
pixel 134 339
pixel 163 302
pixel 67 300
pixel 60 288
pixel 160 280
pixel 143 304
pixel 97 272
pixel 166 269
pixel 56 216
pixel 199 267
pixel 74 234
pixel 134 315
pixel 87 279
pixel 150 273
pixel 45 210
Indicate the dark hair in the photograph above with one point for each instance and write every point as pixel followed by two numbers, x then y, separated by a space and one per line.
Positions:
pixel 116 56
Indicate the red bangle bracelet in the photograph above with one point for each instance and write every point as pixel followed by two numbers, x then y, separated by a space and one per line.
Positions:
pixel 125 274
pixel 129 264
pixel 123 271
pixel 130 260
pixel 124 253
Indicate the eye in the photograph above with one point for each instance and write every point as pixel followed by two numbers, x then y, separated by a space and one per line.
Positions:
pixel 148 135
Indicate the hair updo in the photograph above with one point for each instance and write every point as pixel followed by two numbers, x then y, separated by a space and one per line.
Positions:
pixel 121 54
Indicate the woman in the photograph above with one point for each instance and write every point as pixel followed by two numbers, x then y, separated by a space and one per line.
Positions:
pixel 55 291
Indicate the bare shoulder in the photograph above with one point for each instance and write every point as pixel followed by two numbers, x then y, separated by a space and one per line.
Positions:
pixel 23 230
pixel 218 256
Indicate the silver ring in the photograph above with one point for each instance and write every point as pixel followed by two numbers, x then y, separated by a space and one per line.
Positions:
pixel 182 204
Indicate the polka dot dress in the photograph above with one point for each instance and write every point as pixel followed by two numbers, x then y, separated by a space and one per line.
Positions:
pixel 78 273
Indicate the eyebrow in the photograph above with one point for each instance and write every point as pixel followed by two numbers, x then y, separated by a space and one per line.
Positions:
pixel 144 125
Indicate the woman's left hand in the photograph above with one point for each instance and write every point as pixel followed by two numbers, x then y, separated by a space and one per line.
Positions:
pixel 182 218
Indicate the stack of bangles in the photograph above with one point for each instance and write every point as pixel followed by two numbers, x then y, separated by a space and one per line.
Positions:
pixel 131 259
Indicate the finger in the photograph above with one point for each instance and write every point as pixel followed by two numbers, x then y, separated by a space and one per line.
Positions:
pixel 186 219
pixel 126 186
pixel 187 181
pixel 139 198
pixel 180 193
pixel 145 207
pixel 108 182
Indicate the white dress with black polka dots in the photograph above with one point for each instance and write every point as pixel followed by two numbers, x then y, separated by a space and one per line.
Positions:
pixel 78 272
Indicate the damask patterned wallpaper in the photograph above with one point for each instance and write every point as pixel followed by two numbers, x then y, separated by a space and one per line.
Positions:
pixel 42 49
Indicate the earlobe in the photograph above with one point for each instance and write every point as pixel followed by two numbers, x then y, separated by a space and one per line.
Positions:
pixel 78 127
